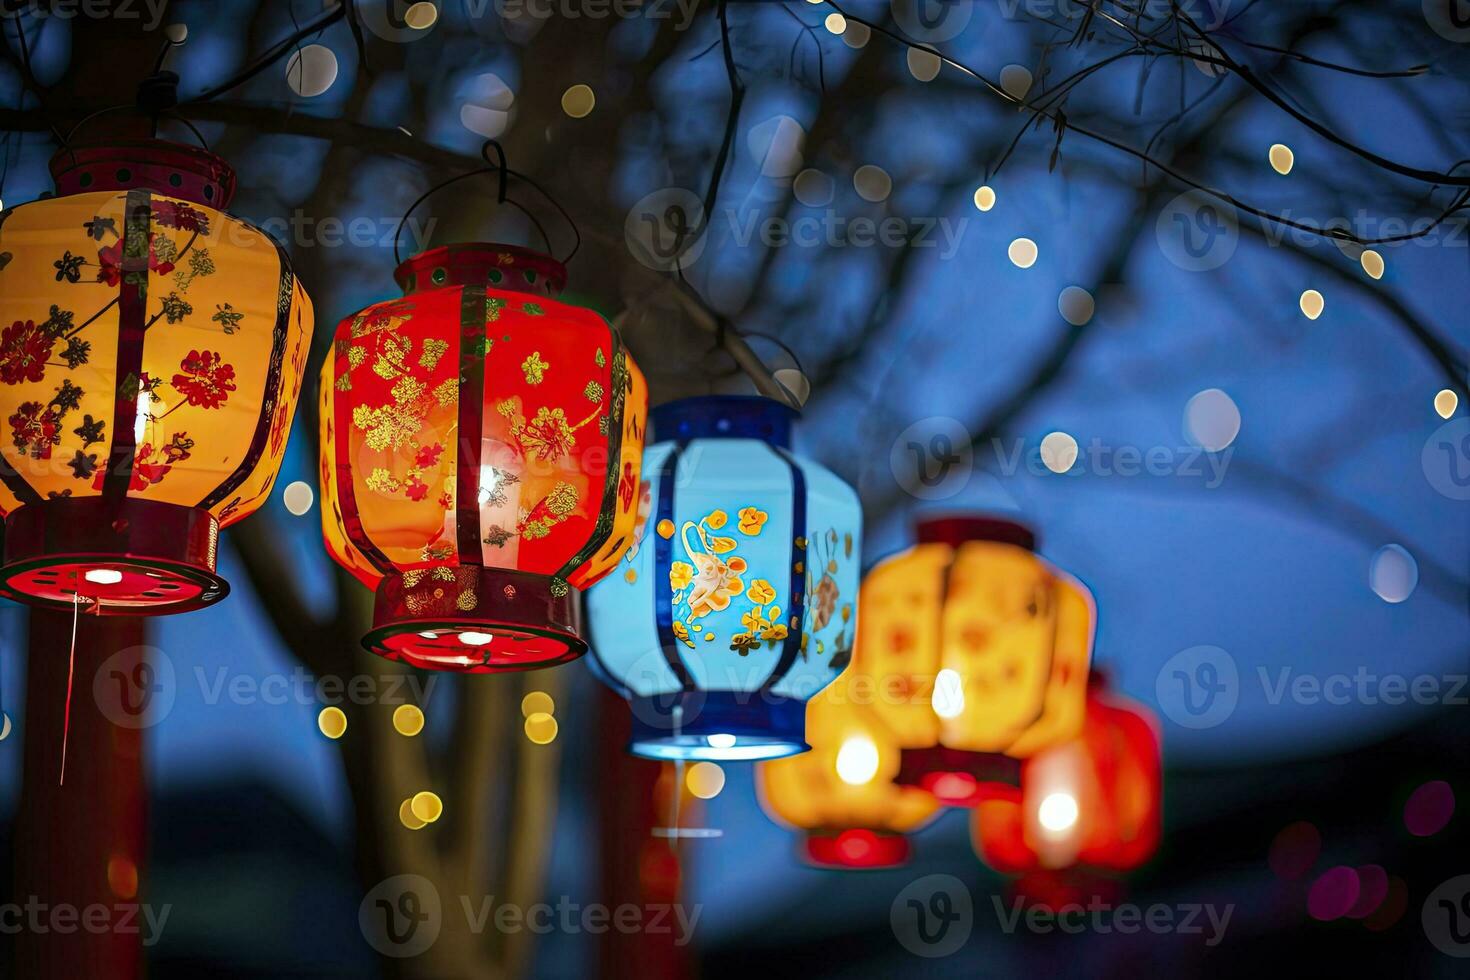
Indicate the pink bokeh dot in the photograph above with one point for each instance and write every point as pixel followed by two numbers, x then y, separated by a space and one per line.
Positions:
pixel 1429 808
pixel 1372 889
pixel 1333 894
pixel 1295 850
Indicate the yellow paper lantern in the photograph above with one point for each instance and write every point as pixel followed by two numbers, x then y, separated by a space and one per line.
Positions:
pixel 151 355
pixel 978 652
pixel 842 793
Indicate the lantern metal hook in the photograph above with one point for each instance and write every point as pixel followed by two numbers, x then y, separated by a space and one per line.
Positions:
pixel 503 172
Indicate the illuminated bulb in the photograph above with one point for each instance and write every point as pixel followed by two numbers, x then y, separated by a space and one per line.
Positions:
pixel 470 638
pixel 103 576
pixel 421 16
pixel 140 423
pixel 1211 420
pixel 721 741
pixel 332 722
pixel 705 780
pixel 298 498
pixel 949 694
pixel 1446 402
pixel 1372 263
pixel 537 702
pixel 407 818
pixel 1058 812
pixel 835 23
pixel 1022 253
pixel 311 70
pixel 1312 304
pixel 985 197
pixel 857 760
pixel 1058 451
pixel 1281 158
pixel 923 65
pixel 426 806
pixel 408 719
pixel 489 481
pixel 541 728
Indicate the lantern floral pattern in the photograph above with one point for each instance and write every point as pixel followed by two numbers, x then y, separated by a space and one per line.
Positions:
pixel 151 348
pixel 481 445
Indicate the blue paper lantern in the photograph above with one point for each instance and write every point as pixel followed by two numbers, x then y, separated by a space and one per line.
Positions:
pixel 738 600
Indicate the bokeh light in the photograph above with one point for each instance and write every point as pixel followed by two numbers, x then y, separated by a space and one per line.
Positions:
pixel 1076 305
pixel 332 721
pixel 1333 894
pixel 298 498
pixel 1372 890
pixel 872 183
pixel 578 101
pixel 1372 263
pixel 1446 402
pixel 1058 451
pixel 311 70
pixel 1294 850
pixel 1393 573
pixel 984 197
pixel 1281 157
pixel 1015 80
pixel 426 806
pixel 705 780
pixel 923 65
pixel 541 728
pixel 857 760
pixel 1211 420
pixel 1429 808
pixel 1312 304
pixel 1022 253
pixel 537 702
pixel 408 719
pixel 407 818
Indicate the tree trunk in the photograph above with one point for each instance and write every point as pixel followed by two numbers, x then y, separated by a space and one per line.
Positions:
pixel 79 847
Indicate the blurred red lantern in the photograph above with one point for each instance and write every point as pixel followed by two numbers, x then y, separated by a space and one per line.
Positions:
pixel 481 453
pixel 151 353
pixel 1094 802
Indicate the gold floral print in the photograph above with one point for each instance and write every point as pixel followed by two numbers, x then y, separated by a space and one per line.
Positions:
pixel 752 520
pixel 535 368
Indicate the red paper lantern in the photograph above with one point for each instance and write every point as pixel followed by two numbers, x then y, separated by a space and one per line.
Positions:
pixel 481 453
pixel 151 353
pixel 1095 802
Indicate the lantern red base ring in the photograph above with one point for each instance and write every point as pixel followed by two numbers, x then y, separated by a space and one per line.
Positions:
pixel 475 620
pixel 956 777
pixel 128 557
pixel 856 849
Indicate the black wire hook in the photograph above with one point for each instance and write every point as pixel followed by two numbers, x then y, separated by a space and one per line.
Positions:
pixel 498 167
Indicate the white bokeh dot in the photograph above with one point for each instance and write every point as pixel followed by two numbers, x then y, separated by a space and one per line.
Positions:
pixel 1016 80
pixel 923 65
pixel 298 498
pixel 1393 573
pixel 1076 305
pixel 1058 451
pixel 311 70
pixel 813 188
pixel 1211 420
pixel 872 183
pixel 1022 253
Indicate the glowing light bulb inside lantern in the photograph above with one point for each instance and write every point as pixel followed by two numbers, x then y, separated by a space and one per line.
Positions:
pixel 145 416
pixel 949 694
pixel 1058 813
pixel 489 483
pixel 470 638
pixel 103 576
pixel 857 760
pixel 721 741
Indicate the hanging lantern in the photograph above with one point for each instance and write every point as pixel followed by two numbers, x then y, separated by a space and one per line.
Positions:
pixel 151 354
pixel 737 600
pixel 980 649
pixel 1092 802
pixel 842 792
pixel 481 443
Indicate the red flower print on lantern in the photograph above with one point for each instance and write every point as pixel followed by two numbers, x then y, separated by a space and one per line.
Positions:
pixel 24 348
pixel 35 428
pixel 109 262
pixel 206 381
pixel 627 485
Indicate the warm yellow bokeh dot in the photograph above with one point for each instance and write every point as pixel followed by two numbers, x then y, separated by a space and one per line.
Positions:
pixel 836 23
pixel 1446 402
pixel 1282 159
pixel 985 197
pixel 408 719
pixel 1022 253
pixel 426 806
pixel 407 818
pixel 541 728
pixel 1312 304
pixel 1372 263
pixel 578 101
pixel 537 702
pixel 705 780
pixel 333 722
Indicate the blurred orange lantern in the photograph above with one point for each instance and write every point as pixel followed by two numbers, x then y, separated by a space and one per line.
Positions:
pixel 481 452
pixel 978 650
pixel 1095 801
pixel 842 793
pixel 151 354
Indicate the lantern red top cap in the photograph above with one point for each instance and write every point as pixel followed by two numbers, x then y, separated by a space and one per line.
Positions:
pixel 508 267
pixel 957 530
pixel 187 173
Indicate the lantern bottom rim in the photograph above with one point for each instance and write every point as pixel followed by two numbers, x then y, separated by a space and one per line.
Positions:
pixel 856 849
pixel 717 726
pixel 957 777
pixel 126 557
pixel 474 620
